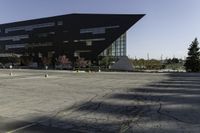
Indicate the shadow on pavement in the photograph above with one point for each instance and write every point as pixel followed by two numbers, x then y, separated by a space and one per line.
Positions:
pixel 158 107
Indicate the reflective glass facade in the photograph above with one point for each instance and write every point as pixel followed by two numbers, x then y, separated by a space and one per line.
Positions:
pixel 117 49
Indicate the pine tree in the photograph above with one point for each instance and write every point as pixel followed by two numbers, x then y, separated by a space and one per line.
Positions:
pixel 192 63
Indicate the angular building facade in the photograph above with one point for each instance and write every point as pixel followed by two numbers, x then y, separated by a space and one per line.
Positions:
pixel 76 36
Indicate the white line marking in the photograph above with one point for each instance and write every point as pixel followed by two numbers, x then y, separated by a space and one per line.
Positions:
pixel 21 128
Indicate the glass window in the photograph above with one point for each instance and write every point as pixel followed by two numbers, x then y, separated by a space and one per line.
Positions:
pixel 89 43
pixel 94 39
pixel 97 30
pixel 93 30
pixel 40 44
pixel 14 46
pixel 14 38
pixel 43 35
pixel 118 48
pixel 29 27
pixel 60 23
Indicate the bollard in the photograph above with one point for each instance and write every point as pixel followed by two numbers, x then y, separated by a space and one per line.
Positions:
pixel 99 69
pixel 46 75
pixel 11 74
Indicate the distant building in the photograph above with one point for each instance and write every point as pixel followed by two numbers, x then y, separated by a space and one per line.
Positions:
pixel 85 36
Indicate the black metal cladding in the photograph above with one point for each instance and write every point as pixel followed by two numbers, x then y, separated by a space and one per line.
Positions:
pixel 88 34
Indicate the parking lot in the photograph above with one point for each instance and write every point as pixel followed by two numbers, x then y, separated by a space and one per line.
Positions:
pixel 98 102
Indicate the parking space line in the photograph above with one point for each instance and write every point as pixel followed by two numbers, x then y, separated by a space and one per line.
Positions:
pixel 21 128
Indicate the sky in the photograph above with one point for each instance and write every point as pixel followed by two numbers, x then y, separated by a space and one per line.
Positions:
pixel 166 31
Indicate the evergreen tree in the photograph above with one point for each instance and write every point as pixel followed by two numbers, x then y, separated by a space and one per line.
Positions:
pixel 192 63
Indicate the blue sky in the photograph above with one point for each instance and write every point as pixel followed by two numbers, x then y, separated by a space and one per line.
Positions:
pixel 167 29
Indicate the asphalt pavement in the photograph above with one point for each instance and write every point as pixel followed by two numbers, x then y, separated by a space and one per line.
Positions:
pixel 72 102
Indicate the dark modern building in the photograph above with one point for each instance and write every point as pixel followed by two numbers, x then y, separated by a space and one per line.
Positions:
pixel 67 38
